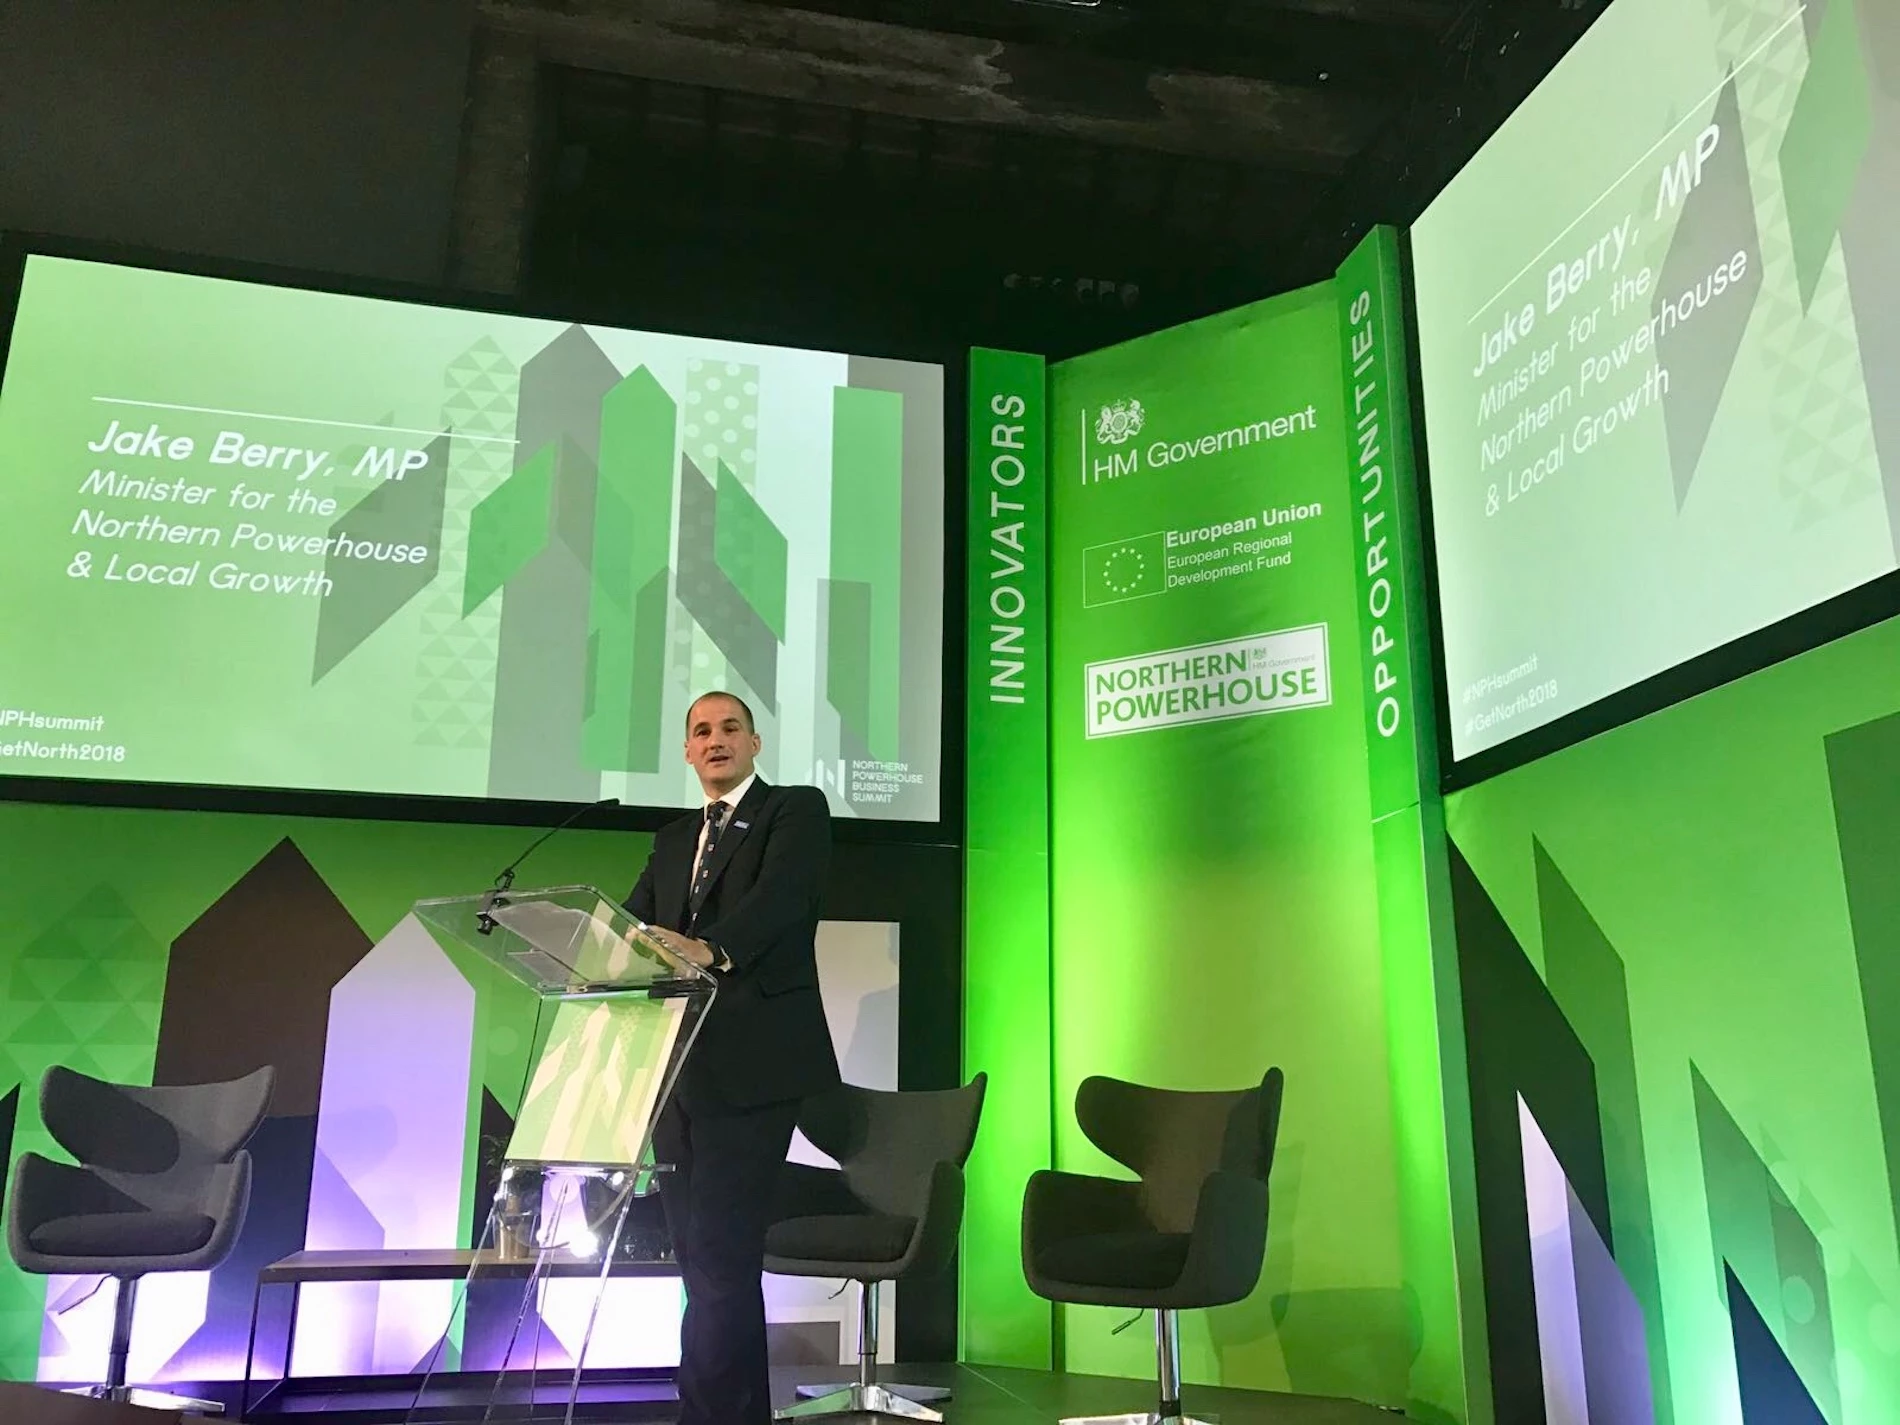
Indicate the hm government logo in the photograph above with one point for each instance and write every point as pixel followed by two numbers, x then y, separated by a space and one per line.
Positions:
pixel 1120 423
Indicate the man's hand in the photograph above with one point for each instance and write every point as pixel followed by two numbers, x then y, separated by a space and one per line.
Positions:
pixel 693 952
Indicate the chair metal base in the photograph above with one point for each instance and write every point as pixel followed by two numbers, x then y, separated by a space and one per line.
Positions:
pixel 857 1400
pixel 917 1394
pixel 150 1399
pixel 1167 1409
pixel 115 1389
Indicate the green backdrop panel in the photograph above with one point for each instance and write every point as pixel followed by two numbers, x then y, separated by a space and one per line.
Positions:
pixel 1006 1024
pixel 1213 891
pixel 92 901
pixel 1684 886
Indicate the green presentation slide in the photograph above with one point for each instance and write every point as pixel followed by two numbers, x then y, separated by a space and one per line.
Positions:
pixel 264 536
pixel 1661 368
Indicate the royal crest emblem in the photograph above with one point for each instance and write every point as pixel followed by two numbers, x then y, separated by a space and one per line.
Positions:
pixel 1120 423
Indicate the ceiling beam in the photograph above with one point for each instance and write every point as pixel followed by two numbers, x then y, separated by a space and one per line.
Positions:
pixel 786 53
pixel 1428 15
pixel 1085 18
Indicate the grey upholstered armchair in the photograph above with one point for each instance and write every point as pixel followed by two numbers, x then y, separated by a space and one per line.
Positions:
pixel 160 1184
pixel 891 1208
pixel 1189 1231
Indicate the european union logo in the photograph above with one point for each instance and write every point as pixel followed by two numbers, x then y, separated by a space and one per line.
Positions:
pixel 1124 569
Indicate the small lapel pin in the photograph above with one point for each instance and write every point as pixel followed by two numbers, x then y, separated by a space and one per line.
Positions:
pixel 740 825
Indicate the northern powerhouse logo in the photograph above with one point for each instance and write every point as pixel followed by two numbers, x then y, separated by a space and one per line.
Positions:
pixel 1209 682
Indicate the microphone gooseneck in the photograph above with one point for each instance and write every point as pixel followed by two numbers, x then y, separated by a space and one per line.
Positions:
pixel 484 921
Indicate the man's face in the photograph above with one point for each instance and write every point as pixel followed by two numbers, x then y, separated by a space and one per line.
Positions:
pixel 719 745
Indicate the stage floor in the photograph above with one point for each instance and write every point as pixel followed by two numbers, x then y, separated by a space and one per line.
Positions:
pixel 984 1395
pixel 994 1395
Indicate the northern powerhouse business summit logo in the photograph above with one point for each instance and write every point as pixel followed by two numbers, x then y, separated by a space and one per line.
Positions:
pixel 1209 682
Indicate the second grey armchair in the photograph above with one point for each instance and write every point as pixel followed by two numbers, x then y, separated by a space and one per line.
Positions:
pixel 892 1207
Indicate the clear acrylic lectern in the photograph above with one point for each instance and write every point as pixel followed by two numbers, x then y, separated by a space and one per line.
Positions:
pixel 617 1016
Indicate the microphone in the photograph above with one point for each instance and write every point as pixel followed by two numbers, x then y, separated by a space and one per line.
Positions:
pixel 484 922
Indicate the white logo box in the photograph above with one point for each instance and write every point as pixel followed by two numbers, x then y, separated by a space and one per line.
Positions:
pixel 1209 682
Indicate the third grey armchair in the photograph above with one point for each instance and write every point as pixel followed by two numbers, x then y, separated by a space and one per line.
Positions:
pixel 1189 1231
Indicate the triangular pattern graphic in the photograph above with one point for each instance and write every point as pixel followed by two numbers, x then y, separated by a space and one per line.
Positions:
pixel 1771 1390
pixel 1818 410
pixel 41 979
pixel 1767 1231
pixel 85 993
pixel 46 1025
pixel 124 1026
pixel 457 662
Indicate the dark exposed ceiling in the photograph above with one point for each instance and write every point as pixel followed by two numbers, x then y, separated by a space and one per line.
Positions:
pixel 1050 171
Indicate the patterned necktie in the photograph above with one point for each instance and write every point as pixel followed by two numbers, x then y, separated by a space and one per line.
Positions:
pixel 715 818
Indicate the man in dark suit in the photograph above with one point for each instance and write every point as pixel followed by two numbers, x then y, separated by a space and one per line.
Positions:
pixel 735 888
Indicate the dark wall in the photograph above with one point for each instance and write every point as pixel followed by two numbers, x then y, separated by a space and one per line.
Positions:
pixel 317 134
pixel 656 199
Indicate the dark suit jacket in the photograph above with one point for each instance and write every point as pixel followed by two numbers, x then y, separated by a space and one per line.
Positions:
pixel 765 1040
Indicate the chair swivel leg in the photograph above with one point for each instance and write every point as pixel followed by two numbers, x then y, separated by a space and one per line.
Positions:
pixel 1168 1369
pixel 867 1366
pixel 121 1339
pixel 115 1388
pixel 863 1396
pixel 1168 1358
